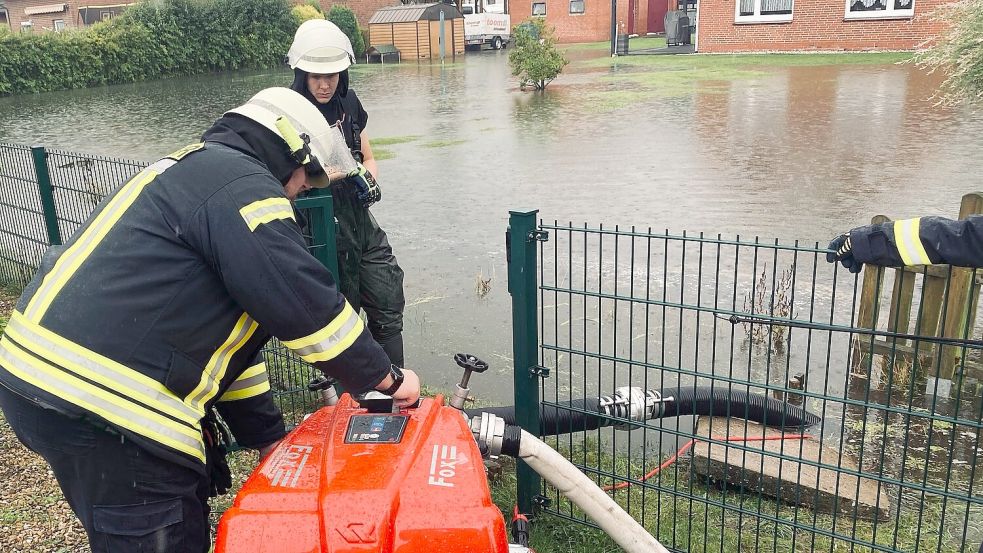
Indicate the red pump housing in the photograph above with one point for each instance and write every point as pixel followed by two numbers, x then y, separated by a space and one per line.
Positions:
pixel 347 481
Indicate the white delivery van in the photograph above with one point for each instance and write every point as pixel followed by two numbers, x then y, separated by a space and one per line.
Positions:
pixel 484 25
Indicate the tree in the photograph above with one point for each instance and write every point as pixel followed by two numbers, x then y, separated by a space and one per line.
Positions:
pixel 344 18
pixel 959 51
pixel 304 12
pixel 535 59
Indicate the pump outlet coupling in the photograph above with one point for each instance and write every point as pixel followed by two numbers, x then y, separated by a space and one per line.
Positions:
pixel 489 432
pixel 633 403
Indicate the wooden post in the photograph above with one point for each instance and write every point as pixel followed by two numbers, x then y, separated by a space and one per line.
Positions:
pixel 962 300
pixel 869 306
pixel 933 292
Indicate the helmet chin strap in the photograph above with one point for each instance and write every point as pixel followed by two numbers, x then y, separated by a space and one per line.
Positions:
pixel 300 148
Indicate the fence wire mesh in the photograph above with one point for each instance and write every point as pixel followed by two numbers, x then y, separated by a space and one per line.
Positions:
pixel 22 231
pixel 891 467
pixel 78 183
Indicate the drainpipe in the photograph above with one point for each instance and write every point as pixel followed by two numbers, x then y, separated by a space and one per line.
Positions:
pixel 6 17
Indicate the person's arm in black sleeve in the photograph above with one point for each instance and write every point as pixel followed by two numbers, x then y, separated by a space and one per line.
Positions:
pixel 247 233
pixel 247 407
pixel 920 241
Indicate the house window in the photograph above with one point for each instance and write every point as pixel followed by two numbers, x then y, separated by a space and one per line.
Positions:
pixel 864 9
pixel 59 25
pixel 539 9
pixel 576 6
pixel 106 16
pixel 26 26
pixel 763 11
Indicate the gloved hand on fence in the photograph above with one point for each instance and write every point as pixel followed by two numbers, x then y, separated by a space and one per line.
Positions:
pixel 366 187
pixel 840 249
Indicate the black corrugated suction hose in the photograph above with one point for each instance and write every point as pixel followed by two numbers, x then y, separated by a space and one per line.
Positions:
pixel 587 414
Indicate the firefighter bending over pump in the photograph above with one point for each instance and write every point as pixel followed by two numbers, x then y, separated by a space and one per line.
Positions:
pixel 157 310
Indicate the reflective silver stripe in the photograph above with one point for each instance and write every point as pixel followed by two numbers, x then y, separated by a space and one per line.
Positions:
pixel 107 404
pixel 265 211
pixel 333 340
pixel 336 57
pixel 95 367
pixel 240 388
pixel 906 234
pixel 161 165
pixel 219 362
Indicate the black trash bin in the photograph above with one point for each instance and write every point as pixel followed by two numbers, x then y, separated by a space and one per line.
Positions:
pixel 621 45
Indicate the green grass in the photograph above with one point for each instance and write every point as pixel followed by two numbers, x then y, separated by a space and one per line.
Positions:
pixel 390 140
pixel 442 143
pixel 381 154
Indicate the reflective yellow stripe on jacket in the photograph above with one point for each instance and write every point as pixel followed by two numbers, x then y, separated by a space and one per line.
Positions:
pixel 120 395
pixel 266 211
pixel 909 243
pixel 218 364
pixel 252 382
pixel 330 341
pixel 72 258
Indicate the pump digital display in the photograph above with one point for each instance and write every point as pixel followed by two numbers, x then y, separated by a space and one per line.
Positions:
pixel 375 429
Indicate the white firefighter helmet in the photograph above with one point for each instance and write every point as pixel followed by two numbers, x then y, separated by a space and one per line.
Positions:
pixel 311 140
pixel 320 47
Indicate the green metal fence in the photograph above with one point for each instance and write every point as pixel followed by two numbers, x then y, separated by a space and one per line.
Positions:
pixel 46 195
pixel 893 465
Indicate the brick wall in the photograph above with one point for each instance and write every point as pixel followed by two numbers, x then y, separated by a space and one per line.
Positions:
pixel 46 21
pixel 364 9
pixel 591 26
pixel 815 25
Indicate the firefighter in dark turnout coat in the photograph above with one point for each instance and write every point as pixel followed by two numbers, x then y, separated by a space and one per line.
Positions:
pixel 371 277
pixel 156 310
pixel 920 241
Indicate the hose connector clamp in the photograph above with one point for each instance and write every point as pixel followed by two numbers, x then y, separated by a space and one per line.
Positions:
pixel 489 432
pixel 633 403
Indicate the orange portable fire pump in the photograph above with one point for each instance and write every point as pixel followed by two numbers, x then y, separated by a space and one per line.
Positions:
pixel 357 476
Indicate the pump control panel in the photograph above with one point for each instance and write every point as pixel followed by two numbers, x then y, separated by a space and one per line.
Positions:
pixel 375 429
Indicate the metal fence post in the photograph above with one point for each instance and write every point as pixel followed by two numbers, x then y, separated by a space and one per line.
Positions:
pixel 321 206
pixel 521 256
pixel 47 193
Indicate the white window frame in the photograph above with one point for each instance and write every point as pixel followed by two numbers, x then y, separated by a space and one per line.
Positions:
pixel 583 4
pixel 56 27
pixel 889 13
pixel 533 9
pixel 27 26
pixel 758 18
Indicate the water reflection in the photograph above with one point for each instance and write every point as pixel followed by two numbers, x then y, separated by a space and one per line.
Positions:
pixel 795 152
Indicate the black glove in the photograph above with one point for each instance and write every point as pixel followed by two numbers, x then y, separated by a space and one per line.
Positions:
pixel 366 186
pixel 217 441
pixel 840 249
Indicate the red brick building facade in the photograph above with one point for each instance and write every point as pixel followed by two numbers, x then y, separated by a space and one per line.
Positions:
pixel 43 15
pixel 363 8
pixel 590 20
pixel 803 25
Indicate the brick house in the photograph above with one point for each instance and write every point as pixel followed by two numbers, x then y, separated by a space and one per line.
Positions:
pixel 37 16
pixel 590 20
pixel 363 8
pixel 804 25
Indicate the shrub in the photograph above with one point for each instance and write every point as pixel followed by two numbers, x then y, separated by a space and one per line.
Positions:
pixel 344 18
pixel 535 59
pixel 149 40
pixel 959 51
pixel 305 12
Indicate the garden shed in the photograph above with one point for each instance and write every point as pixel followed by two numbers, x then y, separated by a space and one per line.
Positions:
pixel 414 29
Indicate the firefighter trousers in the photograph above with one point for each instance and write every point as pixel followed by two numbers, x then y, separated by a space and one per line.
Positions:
pixel 128 500
pixel 370 278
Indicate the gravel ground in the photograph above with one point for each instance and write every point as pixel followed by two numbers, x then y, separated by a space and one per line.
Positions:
pixel 34 516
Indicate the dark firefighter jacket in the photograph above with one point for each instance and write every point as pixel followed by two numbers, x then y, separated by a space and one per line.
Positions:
pixel 921 241
pixel 159 305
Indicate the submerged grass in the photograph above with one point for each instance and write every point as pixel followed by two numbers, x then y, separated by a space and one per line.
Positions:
pixel 442 143
pixel 390 140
